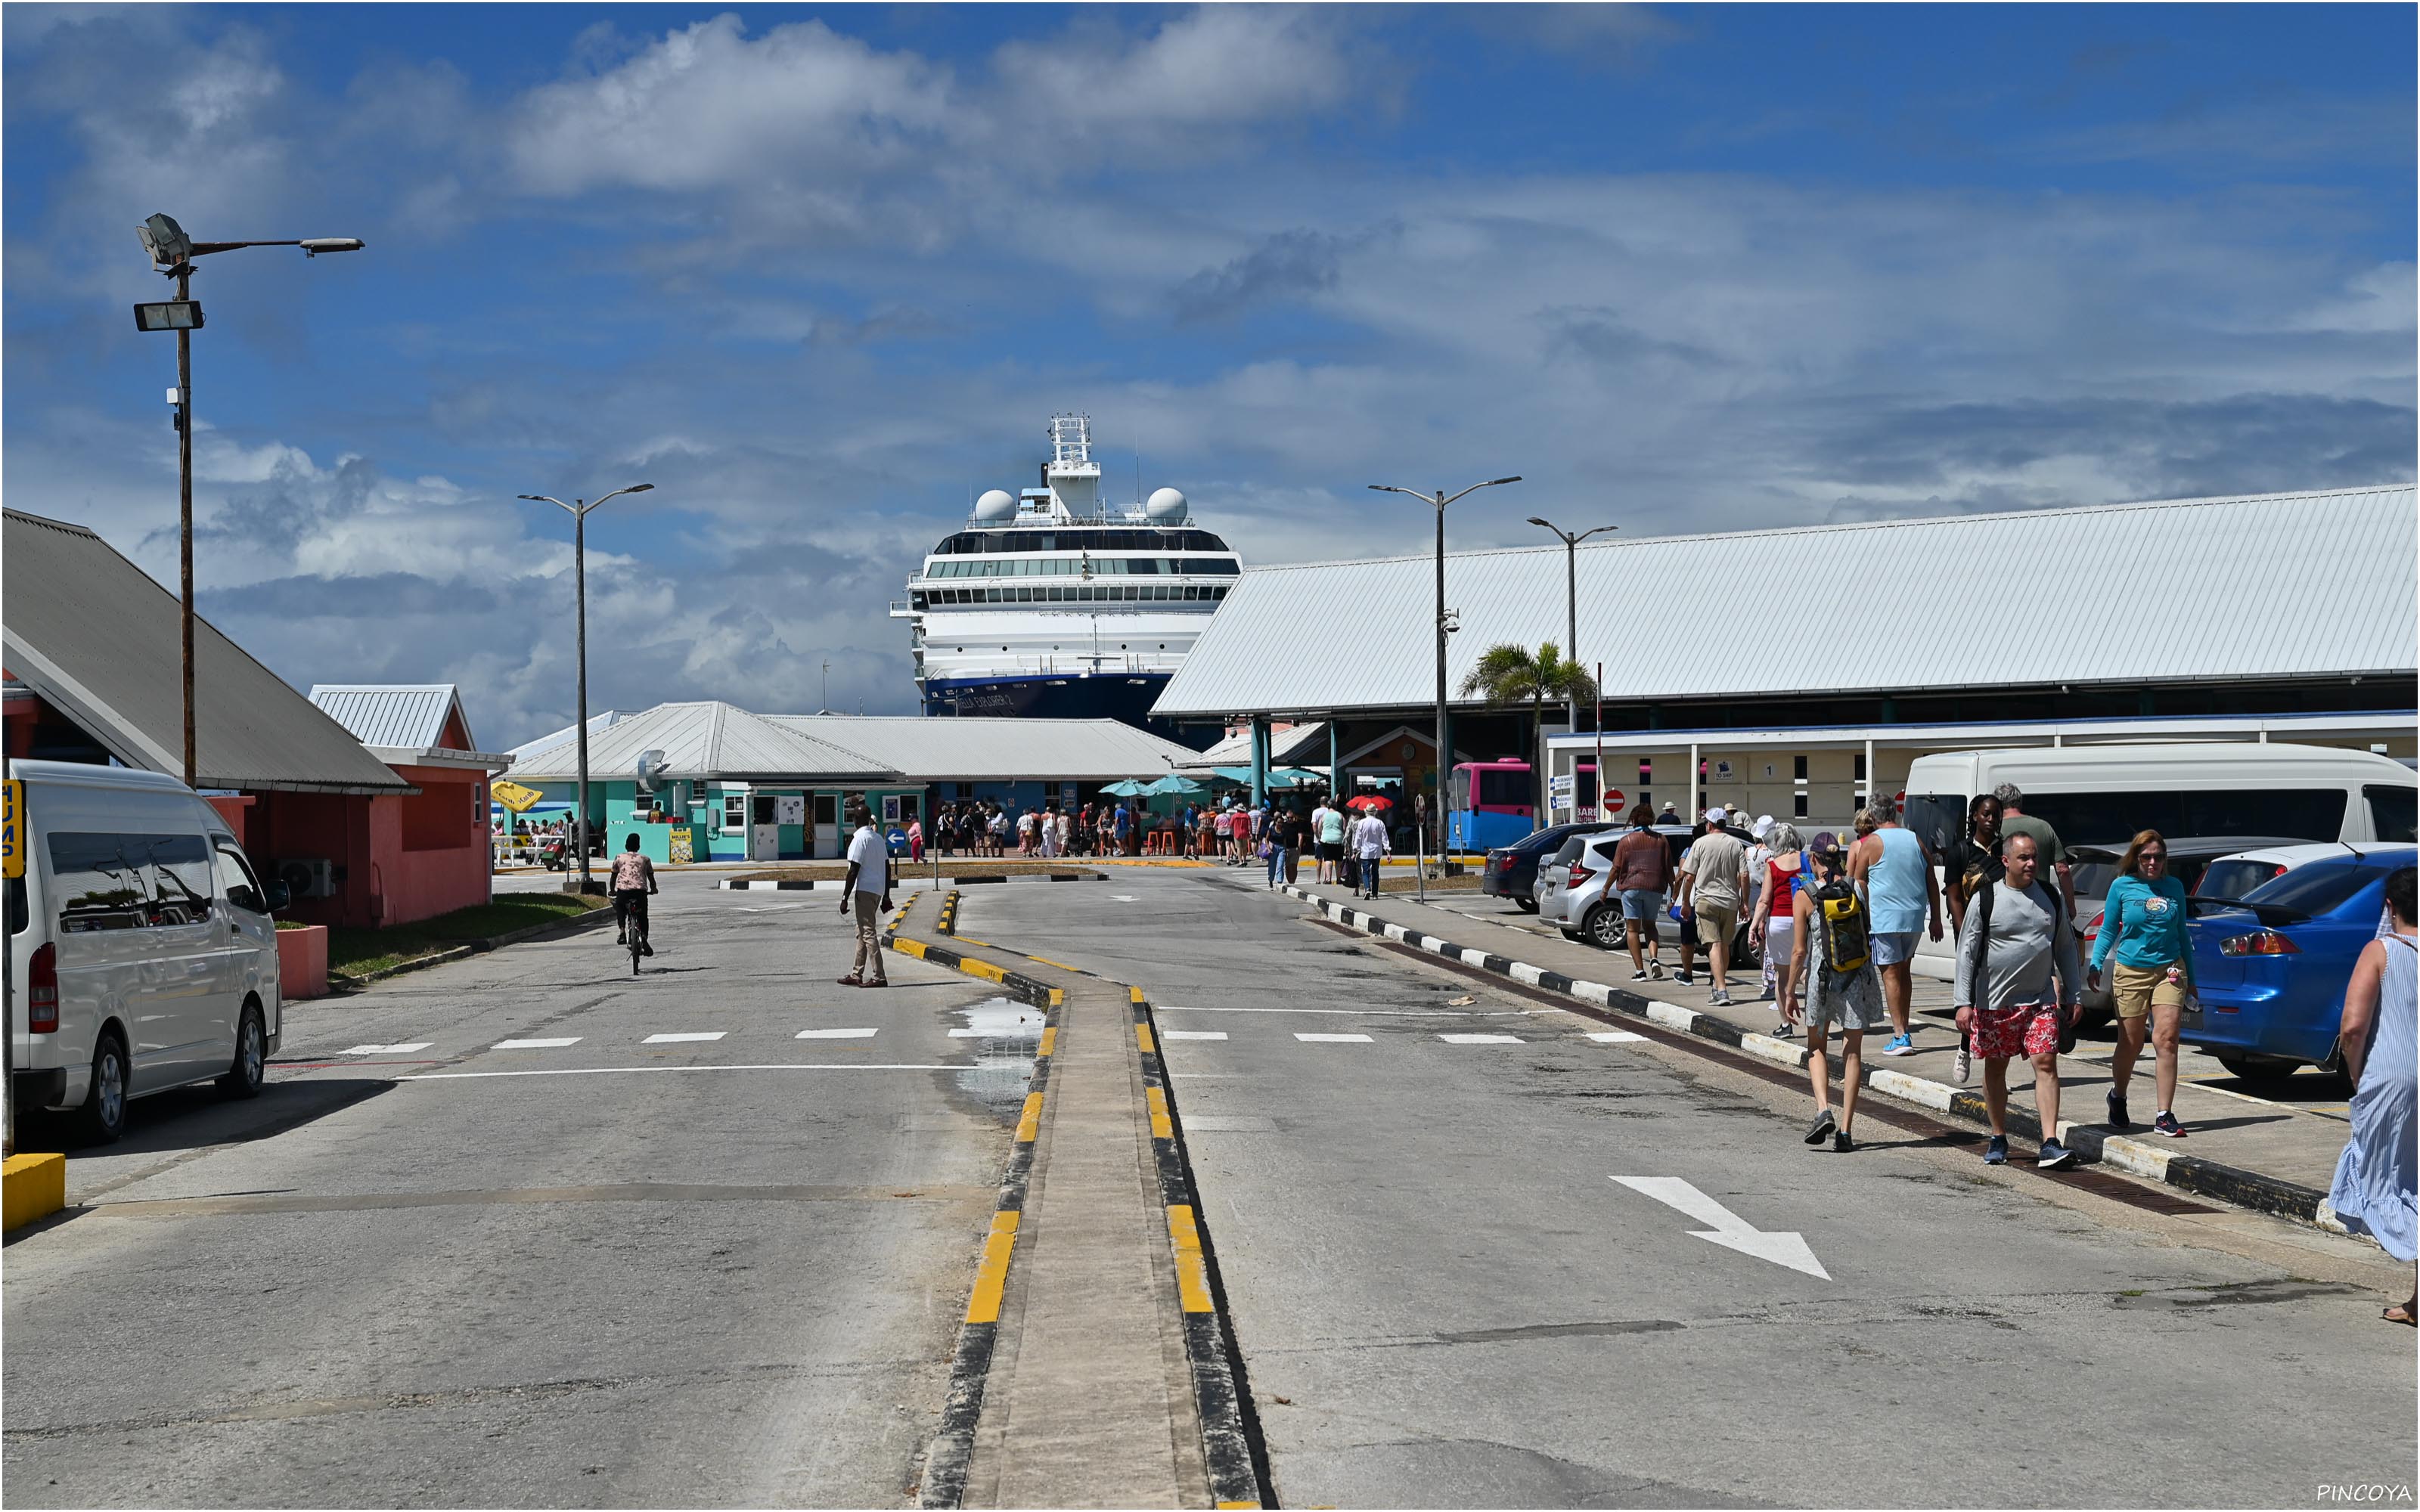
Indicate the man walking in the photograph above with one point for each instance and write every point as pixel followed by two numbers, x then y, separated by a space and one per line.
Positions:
pixel 2016 937
pixel 866 853
pixel 2015 821
pixel 1370 844
pixel 1642 874
pixel 1713 879
pixel 1889 865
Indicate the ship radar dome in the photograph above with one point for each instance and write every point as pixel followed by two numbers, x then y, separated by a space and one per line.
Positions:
pixel 996 504
pixel 1165 504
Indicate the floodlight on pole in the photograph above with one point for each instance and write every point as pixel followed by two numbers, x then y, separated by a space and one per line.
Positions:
pixel 578 509
pixel 1572 609
pixel 1445 626
pixel 172 253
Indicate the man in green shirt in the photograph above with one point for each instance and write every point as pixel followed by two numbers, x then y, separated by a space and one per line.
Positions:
pixel 2046 846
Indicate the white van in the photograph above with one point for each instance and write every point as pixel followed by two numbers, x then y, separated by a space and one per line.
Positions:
pixel 142 951
pixel 2102 795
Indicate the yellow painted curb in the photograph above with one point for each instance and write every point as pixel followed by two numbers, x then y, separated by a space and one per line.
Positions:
pixel 1029 1122
pixel 1160 1126
pixel 35 1187
pixel 992 1275
pixel 1193 1277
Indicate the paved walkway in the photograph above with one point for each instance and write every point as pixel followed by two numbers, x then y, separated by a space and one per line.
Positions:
pixel 2275 1144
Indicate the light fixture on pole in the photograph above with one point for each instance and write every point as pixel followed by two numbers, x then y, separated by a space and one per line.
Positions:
pixel 172 256
pixel 1572 609
pixel 1443 753
pixel 579 510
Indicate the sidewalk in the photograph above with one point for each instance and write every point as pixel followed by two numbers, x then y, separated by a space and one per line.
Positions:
pixel 2268 1156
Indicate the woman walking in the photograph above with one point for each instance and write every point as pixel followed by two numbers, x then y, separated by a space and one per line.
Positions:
pixel 2374 1189
pixel 2143 919
pixel 1777 914
pixel 1851 999
pixel 1968 865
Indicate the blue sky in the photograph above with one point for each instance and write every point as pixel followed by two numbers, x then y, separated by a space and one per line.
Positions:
pixel 819 274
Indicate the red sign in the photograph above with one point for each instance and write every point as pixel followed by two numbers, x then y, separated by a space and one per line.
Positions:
pixel 1614 800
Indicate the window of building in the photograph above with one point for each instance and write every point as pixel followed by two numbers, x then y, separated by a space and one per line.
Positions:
pixel 1798 805
pixel 734 809
pixel 1798 772
pixel 1860 773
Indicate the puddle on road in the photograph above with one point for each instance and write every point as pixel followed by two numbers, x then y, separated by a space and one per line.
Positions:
pixel 1004 1035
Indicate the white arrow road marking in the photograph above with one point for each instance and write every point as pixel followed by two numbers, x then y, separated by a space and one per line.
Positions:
pixel 1726 1227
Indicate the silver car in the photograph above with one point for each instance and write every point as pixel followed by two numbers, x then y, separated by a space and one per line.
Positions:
pixel 1577 898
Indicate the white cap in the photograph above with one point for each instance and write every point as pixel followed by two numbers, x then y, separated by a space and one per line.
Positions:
pixel 1763 826
pixel 1716 814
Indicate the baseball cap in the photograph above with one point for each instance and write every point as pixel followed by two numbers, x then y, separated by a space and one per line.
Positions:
pixel 1718 814
pixel 1826 843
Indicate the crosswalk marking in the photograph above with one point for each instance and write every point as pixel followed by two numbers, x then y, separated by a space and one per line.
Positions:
pixel 684 1038
pixel 385 1049
pixel 1193 1034
pixel 1617 1037
pixel 837 1034
pixel 535 1044
pixel 1333 1039
pixel 1481 1038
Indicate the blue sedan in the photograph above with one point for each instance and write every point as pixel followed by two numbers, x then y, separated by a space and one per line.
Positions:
pixel 2271 966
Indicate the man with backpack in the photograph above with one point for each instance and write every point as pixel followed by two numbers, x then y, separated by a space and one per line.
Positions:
pixel 1713 879
pixel 2016 937
pixel 1830 952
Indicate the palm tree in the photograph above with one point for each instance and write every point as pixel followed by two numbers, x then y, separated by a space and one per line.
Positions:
pixel 1511 674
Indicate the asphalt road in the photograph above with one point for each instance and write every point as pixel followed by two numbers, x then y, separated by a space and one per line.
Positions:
pixel 1446 1296
pixel 720 1271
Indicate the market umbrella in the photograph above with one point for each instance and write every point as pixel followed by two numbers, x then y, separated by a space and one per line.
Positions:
pixel 1172 783
pixel 1127 788
pixel 1369 803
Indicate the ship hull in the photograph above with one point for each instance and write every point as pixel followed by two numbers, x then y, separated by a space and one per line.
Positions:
pixel 1126 698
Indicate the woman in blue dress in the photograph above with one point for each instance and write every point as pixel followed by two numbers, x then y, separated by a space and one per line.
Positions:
pixel 2374 1193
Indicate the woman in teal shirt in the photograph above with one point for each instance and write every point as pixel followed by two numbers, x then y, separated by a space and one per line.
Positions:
pixel 2143 920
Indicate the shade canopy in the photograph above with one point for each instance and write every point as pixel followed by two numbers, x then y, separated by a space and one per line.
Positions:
pixel 1171 784
pixel 1126 788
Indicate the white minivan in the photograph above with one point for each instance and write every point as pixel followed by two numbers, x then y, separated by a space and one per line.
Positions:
pixel 141 949
pixel 2102 794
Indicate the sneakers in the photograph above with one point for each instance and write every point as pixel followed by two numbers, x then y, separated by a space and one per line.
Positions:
pixel 1719 1000
pixel 1996 1152
pixel 1841 1143
pixel 1785 1030
pixel 2166 1123
pixel 1961 1065
pixel 1638 975
pixel 621 937
pixel 1821 1127
pixel 2117 1119
pixel 1683 977
pixel 1899 1045
pixel 2055 1156
pixel 645 948
pixel 1655 969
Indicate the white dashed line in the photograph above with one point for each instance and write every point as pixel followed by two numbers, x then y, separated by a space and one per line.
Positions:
pixel 682 1037
pixel 386 1049
pixel 1193 1034
pixel 837 1034
pixel 535 1044
pixel 1333 1039
pixel 1617 1037
pixel 1481 1038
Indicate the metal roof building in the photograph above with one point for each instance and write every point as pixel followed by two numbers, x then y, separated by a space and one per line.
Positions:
pixel 568 735
pixel 97 638
pixel 2277 589
pixel 408 724
pixel 706 740
pixel 973 748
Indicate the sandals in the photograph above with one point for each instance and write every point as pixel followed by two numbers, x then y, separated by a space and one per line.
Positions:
pixel 2408 1314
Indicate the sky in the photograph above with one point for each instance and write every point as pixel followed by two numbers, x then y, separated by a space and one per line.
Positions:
pixel 822 274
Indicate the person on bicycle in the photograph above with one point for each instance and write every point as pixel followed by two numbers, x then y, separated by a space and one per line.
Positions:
pixel 635 877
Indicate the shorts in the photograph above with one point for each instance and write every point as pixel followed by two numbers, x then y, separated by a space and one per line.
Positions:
pixel 1892 948
pixel 2136 988
pixel 1331 849
pixel 2025 1030
pixel 1640 904
pixel 1717 923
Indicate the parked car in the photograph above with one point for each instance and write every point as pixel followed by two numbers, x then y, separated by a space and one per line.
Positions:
pixel 1511 871
pixel 144 956
pixel 2235 876
pixel 2271 966
pixel 2094 867
pixel 1573 893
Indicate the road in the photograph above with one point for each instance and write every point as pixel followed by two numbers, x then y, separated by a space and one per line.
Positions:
pixel 730 1271
pixel 468 1275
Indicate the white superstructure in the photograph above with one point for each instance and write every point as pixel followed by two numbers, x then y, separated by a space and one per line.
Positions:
pixel 1051 602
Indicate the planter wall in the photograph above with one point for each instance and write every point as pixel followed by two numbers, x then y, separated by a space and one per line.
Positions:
pixel 303 963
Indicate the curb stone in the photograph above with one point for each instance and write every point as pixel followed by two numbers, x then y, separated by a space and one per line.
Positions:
pixel 2189 1173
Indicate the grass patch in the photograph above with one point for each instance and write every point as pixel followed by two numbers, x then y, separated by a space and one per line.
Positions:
pixel 352 952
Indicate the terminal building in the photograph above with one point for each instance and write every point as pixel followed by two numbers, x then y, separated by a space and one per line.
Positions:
pixel 1795 671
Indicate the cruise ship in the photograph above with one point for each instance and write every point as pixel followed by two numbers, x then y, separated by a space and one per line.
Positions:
pixel 1053 604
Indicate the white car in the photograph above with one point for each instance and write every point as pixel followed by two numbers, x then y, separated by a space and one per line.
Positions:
pixel 143 954
pixel 2232 876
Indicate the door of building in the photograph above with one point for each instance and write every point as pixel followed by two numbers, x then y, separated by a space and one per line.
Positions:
pixel 764 833
pixel 828 836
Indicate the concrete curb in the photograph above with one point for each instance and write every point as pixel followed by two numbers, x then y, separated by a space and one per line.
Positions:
pixel 909 884
pixel 1232 1448
pixel 340 981
pixel 1015 984
pixel 32 1187
pixel 2138 1157
pixel 948 922
pixel 946 1461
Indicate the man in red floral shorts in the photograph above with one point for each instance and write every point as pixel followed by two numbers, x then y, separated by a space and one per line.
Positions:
pixel 2016 937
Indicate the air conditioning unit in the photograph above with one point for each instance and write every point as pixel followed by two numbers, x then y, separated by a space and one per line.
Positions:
pixel 308 879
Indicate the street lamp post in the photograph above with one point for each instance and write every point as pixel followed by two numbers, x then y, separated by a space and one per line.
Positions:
pixel 1443 753
pixel 579 510
pixel 1572 610
pixel 173 254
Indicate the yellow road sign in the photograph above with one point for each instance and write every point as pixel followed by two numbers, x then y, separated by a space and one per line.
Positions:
pixel 513 795
pixel 12 829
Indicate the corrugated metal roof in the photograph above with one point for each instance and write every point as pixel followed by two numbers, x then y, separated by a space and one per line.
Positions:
pixel 2268 586
pixel 404 715
pixel 706 740
pixel 97 638
pixel 568 735
pixel 1304 745
pixel 974 749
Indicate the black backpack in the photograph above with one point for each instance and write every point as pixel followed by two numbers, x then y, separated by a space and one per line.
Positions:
pixel 1979 919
